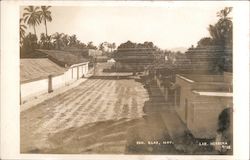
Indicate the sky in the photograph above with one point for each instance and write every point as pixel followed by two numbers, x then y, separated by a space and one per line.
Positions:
pixel 166 26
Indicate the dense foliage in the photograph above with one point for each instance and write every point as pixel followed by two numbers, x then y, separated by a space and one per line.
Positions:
pixel 130 44
pixel 221 32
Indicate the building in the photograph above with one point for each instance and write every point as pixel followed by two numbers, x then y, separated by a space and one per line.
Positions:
pixel 199 100
pixel 100 59
pixel 199 95
pixel 44 75
pixel 93 52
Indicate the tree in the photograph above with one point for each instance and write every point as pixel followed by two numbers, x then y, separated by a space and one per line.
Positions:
pixel 148 44
pixel 29 43
pixel 32 17
pixel 45 15
pixel 101 46
pixel 57 40
pixel 82 45
pixel 206 41
pixel 127 44
pixel 22 28
pixel 90 45
pixel 221 32
pixel 113 46
pixel 130 44
pixel 42 40
pixel 72 40
pixel 65 39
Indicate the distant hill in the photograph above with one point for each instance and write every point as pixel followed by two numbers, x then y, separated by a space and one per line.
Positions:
pixel 181 49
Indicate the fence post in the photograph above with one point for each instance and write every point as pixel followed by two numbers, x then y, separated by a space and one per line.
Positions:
pixel 77 72
pixel 50 88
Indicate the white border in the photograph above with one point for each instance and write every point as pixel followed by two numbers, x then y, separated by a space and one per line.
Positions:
pixel 10 79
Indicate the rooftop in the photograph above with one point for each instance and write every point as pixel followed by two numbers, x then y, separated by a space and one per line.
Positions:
pixel 38 68
pixel 213 94
pixel 202 78
pixel 63 58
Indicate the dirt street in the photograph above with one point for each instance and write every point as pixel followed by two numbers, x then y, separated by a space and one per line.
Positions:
pixel 101 115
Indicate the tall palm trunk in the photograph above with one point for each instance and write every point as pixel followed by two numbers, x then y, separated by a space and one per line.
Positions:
pixel 45 27
pixel 34 29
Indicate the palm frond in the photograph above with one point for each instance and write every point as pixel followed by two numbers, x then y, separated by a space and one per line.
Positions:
pixel 36 8
pixel 29 9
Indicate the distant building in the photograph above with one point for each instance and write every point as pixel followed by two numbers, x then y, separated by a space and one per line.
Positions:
pixel 93 52
pixel 101 59
pixel 111 60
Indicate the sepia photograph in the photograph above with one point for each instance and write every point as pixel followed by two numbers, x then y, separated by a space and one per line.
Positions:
pixel 126 79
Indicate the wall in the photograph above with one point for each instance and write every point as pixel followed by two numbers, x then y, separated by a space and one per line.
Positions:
pixel 58 81
pixel 185 93
pixel 36 87
pixel 228 77
pixel 200 113
pixel 33 89
pixel 205 78
pixel 203 116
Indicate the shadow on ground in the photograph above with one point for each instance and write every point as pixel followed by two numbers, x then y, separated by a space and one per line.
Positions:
pixel 94 138
pixel 109 77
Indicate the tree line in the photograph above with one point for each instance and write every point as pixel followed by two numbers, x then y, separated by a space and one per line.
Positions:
pixel 37 15
pixel 221 37
pixel 221 33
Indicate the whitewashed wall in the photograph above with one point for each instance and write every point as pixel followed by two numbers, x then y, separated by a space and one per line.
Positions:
pixel 35 88
pixel 58 81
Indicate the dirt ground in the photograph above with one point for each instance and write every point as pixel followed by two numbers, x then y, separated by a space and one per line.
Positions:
pixel 101 115
pixel 110 113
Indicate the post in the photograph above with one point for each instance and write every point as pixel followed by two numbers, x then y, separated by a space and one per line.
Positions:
pixel 175 98
pixel 77 72
pixel 50 88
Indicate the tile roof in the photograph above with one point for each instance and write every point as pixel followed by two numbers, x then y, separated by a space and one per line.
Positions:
pixel 63 58
pixel 38 68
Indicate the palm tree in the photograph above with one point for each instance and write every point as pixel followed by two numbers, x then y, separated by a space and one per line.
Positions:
pixel 45 15
pixel 101 46
pixel 22 28
pixel 113 45
pixel 32 17
pixel 42 40
pixel 215 33
pixel 223 14
pixel 91 45
pixel 65 39
pixel 72 40
pixel 225 24
pixel 57 40
pixel 221 32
